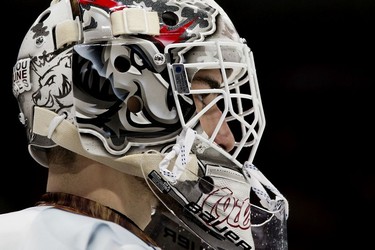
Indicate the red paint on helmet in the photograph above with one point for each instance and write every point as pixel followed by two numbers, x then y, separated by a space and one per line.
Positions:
pixel 168 36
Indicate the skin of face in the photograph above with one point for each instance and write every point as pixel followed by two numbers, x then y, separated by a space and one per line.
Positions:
pixel 209 79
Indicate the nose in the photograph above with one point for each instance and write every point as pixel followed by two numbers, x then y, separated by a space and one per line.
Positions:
pixel 224 137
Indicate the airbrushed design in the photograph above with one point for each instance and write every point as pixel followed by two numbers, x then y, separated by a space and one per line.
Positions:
pixel 45 81
pixel 193 22
pixel 54 85
pixel 130 99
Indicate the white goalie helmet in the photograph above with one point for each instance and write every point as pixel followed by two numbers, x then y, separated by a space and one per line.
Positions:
pixel 113 80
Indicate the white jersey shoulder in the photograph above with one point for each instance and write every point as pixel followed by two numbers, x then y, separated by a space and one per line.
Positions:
pixel 46 228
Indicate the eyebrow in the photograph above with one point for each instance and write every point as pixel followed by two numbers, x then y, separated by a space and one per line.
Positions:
pixel 214 84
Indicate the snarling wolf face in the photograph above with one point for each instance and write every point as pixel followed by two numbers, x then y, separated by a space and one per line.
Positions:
pixel 55 85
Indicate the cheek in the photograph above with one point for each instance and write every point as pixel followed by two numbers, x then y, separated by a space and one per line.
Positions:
pixel 206 125
pixel 198 103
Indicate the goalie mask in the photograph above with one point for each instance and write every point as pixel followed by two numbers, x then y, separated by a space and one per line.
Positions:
pixel 165 90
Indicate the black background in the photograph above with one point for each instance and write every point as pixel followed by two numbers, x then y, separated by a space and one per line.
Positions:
pixel 315 65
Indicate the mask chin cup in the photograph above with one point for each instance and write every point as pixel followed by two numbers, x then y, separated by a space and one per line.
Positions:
pixel 215 205
pixel 207 206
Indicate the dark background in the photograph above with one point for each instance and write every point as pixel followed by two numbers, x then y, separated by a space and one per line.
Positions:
pixel 315 65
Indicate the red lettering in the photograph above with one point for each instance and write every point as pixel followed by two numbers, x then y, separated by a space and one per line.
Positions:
pixel 227 208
